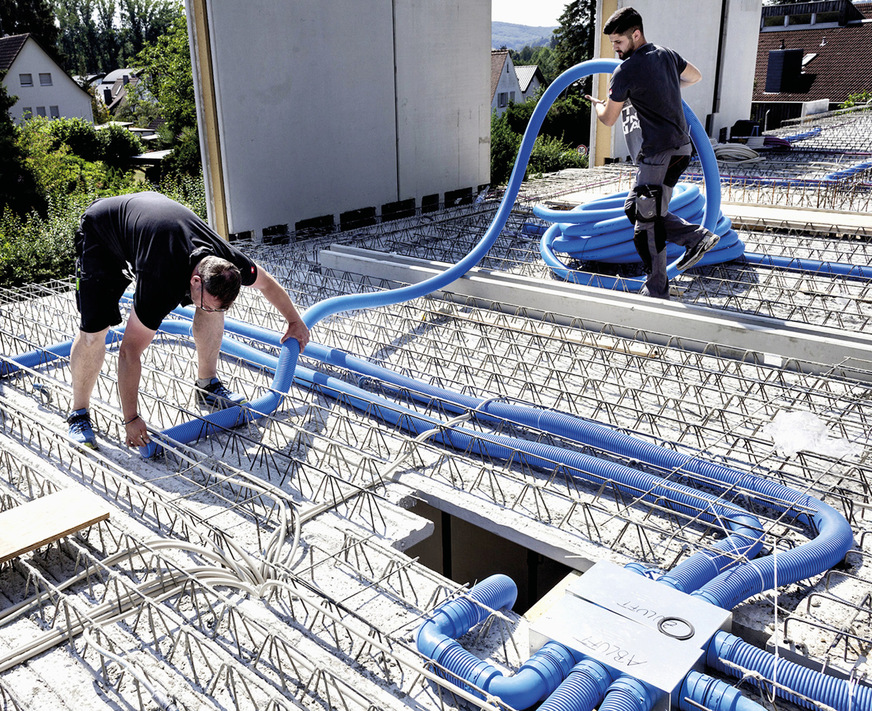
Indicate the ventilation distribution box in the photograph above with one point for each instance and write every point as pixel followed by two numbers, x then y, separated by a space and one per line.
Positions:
pixel 634 625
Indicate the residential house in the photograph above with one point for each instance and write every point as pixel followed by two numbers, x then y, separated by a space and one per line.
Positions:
pixel 530 78
pixel 112 88
pixel 43 88
pixel 505 88
pixel 811 56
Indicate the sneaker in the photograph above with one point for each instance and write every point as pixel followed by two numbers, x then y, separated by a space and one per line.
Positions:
pixel 217 396
pixel 80 429
pixel 694 254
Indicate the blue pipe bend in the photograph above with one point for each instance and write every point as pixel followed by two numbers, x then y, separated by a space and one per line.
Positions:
pixel 437 639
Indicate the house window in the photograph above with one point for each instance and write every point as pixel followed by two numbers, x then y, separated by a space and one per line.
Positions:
pixel 40 110
pixel 26 79
pixel 502 99
pixel 45 78
pixel 54 112
pixel 27 112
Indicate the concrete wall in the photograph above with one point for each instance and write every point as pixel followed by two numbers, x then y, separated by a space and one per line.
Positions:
pixel 324 107
pixel 693 29
pixel 72 101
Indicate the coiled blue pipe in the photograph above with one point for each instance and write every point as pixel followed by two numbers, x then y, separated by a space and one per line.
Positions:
pixel 619 251
pixel 701 690
pixel 726 649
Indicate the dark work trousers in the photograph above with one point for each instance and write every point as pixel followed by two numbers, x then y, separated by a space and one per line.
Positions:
pixel 664 169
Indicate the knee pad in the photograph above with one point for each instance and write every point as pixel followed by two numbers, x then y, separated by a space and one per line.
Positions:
pixel 646 207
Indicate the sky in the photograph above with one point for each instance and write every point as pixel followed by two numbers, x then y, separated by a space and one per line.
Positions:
pixel 538 13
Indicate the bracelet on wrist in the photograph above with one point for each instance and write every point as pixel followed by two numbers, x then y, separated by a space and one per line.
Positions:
pixel 132 419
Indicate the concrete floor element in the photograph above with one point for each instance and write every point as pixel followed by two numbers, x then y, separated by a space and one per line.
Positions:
pixel 288 563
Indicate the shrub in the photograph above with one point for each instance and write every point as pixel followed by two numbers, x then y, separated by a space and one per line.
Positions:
pixel 79 135
pixel 36 249
pixel 60 173
pixel 119 145
pixel 859 99
pixel 551 154
pixel 504 149
pixel 184 161
pixel 188 190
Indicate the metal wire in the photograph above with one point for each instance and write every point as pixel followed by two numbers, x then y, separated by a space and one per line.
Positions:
pixel 333 625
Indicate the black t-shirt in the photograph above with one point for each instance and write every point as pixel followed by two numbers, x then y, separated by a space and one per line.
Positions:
pixel 650 79
pixel 161 241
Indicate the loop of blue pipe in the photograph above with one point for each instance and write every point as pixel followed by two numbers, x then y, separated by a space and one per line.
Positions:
pixel 437 639
pixel 619 251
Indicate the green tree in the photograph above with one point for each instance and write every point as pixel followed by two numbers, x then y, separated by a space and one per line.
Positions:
pixel 574 38
pixel 168 81
pixel 88 37
pixel 144 22
pixel 504 148
pixel 18 191
pixel 542 57
pixel 102 35
pixel 33 16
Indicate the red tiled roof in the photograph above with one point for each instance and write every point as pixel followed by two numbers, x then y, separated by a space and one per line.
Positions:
pixel 10 46
pixel 842 65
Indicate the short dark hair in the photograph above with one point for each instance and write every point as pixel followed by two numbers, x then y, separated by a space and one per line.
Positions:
pixel 220 278
pixel 624 21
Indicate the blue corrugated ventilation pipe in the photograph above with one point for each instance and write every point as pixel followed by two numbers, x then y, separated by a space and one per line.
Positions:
pixel 576 682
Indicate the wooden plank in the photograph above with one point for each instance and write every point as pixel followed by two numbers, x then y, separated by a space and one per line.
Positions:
pixel 45 520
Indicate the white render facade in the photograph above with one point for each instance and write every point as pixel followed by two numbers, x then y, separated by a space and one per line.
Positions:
pixel 339 107
pixel 508 89
pixel 43 88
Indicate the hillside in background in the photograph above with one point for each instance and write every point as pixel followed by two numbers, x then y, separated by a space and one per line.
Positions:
pixel 505 34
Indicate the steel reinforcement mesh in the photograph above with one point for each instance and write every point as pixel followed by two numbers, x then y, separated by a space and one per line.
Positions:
pixel 262 566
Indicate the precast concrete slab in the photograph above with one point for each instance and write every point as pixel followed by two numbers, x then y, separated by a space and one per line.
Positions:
pixel 748 337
